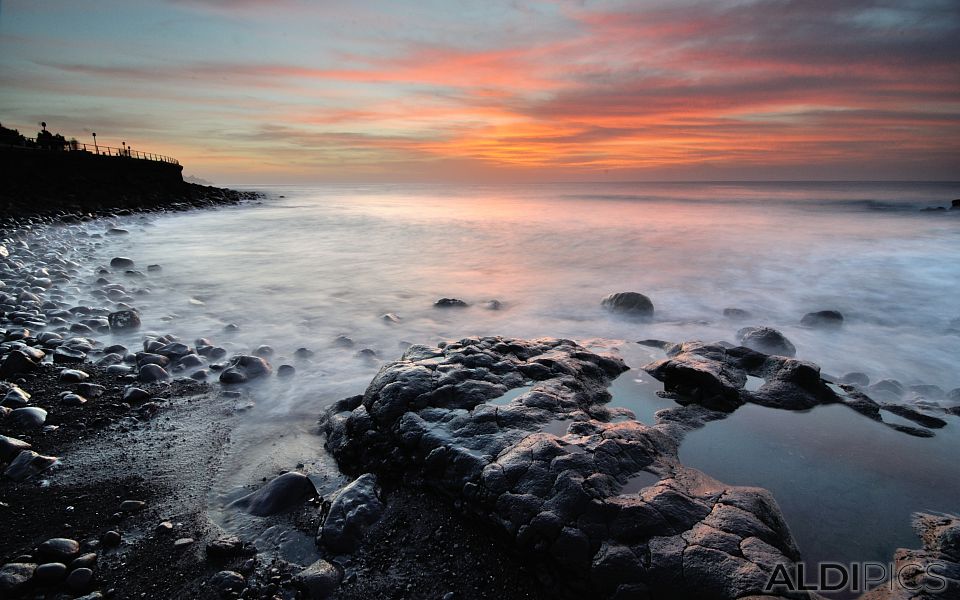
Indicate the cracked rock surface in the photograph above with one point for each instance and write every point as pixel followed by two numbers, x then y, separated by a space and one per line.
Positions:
pixel 597 497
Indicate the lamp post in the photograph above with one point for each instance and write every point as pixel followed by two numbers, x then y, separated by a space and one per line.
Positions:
pixel 124 149
pixel 95 147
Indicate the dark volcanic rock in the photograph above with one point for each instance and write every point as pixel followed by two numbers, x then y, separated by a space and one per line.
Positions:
pixel 766 340
pixel 824 319
pixel 430 417
pixel 15 577
pixel 243 368
pixel 121 262
pixel 319 580
pixel 149 373
pixel 736 314
pixel 229 547
pixel 124 319
pixel 354 509
pixel 702 374
pixel 450 303
pixel 27 464
pixel 228 583
pixel 940 556
pixel 632 304
pixel 281 494
pixel 28 417
pixel 59 549
pixel 11 447
pixel 16 362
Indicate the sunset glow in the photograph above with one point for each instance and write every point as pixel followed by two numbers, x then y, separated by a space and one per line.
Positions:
pixel 298 91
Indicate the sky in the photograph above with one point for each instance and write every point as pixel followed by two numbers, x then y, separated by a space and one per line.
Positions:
pixel 310 91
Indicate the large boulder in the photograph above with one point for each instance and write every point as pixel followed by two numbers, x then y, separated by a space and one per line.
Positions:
pixel 281 494
pixel 766 340
pixel 633 304
pixel 354 509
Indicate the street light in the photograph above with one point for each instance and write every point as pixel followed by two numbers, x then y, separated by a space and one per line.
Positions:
pixel 95 147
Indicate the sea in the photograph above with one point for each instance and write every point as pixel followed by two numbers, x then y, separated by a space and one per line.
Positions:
pixel 310 263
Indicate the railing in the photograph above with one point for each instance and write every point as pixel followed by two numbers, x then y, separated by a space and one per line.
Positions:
pixel 125 152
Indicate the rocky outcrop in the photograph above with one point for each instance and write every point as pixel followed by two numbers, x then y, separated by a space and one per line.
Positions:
pixel 932 573
pixel 712 377
pixel 601 501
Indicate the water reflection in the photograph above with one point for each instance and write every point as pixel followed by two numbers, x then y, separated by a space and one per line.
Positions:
pixel 847 485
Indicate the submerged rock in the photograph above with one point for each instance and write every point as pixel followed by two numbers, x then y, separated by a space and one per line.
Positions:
pixel 281 494
pixel 450 303
pixel 354 509
pixel 824 319
pixel 243 368
pixel 632 304
pixel 737 314
pixel 766 340
pixel 124 320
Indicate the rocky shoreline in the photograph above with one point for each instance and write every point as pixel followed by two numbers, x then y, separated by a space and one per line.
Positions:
pixel 484 468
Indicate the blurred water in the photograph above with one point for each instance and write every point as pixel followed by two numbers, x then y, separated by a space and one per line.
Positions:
pixel 312 263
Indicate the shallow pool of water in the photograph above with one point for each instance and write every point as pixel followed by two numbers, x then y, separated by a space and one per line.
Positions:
pixel 847 485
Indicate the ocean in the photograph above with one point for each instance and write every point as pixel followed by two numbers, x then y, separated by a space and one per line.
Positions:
pixel 311 263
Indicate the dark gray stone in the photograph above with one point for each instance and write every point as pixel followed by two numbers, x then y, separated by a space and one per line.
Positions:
pixel 150 373
pixel 121 262
pixel 28 417
pixel 28 464
pixel 15 578
pixel 631 304
pixel 123 320
pixel 318 581
pixel 17 361
pixel 824 319
pixel 243 368
pixel 228 583
pixel 354 509
pixel 10 447
pixel 766 340
pixel 59 549
pixel 281 494
pixel 450 303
